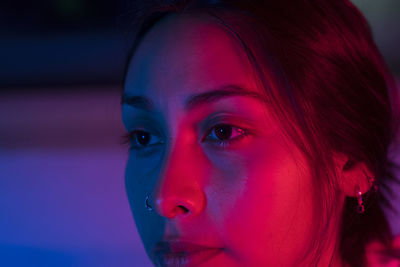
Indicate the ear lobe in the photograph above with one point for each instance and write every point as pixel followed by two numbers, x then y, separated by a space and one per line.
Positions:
pixel 353 176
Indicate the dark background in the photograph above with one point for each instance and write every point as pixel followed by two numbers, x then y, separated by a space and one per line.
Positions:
pixel 79 42
pixel 61 43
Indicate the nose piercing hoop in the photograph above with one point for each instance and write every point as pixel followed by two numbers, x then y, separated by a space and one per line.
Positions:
pixel 147 205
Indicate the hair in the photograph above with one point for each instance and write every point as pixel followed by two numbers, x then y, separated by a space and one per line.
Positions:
pixel 327 83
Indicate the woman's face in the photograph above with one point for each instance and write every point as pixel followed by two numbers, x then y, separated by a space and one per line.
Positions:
pixel 216 165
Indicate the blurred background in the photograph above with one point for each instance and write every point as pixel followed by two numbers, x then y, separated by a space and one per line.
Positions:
pixel 62 197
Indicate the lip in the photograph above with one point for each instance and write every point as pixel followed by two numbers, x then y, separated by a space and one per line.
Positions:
pixel 183 254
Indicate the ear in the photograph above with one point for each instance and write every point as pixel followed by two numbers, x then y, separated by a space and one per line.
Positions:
pixel 352 176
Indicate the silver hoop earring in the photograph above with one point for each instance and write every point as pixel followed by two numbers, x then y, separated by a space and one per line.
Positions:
pixel 360 206
pixel 147 205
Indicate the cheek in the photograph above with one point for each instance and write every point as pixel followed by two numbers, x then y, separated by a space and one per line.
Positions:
pixel 265 204
pixel 141 173
pixel 140 176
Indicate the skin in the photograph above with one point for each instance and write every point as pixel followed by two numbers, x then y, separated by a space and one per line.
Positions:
pixel 252 196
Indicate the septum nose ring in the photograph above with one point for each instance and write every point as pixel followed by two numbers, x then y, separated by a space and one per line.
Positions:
pixel 147 205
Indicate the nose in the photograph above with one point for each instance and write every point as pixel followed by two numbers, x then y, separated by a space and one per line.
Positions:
pixel 179 192
pixel 185 202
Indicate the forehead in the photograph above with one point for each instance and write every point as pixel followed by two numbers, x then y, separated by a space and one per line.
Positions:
pixel 185 53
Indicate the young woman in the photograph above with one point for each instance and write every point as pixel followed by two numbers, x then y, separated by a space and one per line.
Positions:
pixel 258 133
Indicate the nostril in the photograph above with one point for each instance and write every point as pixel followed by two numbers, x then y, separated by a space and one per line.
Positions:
pixel 186 210
pixel 180 209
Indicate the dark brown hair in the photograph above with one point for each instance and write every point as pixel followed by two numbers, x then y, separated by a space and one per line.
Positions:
pixel 326 81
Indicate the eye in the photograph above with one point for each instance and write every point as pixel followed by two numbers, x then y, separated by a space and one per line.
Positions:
pixel 140 139
pixel 225 134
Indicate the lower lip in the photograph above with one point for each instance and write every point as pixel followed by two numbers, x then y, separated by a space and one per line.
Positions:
pixel 188 259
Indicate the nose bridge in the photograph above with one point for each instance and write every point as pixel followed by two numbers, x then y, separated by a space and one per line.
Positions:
pixel 180 187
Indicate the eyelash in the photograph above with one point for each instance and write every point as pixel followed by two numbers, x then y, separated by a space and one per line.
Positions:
pixel 130 138
pixel 229 142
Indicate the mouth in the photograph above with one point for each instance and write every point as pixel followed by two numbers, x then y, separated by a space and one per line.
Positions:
pixel 182 254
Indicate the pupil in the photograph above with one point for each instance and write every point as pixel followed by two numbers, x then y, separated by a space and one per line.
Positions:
pixel 143 138
pixel 223 132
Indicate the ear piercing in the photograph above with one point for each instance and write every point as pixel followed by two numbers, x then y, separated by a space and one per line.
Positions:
pixel 360 205
pixel 374 188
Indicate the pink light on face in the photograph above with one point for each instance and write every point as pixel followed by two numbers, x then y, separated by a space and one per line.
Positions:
pixel 220 172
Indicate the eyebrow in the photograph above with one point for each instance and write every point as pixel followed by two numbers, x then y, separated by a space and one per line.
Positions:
pixel 194 101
